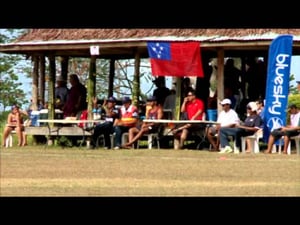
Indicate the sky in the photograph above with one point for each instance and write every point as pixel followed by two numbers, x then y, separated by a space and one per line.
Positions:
pixel 295 69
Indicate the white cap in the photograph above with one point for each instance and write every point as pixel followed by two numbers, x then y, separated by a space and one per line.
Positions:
pixel 252 105
pixel 225 101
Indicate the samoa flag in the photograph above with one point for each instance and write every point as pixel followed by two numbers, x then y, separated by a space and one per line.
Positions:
pixel 177 59
pixel 277 87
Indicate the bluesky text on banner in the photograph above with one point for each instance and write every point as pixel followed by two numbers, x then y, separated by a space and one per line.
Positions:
pixel 277 88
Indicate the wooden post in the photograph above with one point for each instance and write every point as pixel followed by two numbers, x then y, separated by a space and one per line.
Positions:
pixel 42 77
pixel 136 80
pixel 91 89
pixel 64 67
pixel 178 98
pixel 220 76
pixel 51 86
pixel 111 77
pixel 35 82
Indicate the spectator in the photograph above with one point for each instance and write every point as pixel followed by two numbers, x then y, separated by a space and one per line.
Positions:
pixel 260 108
pixel 260 112
pixel 194 109
pixel 251 124
pixel 227 118
pixel 61 93
pixel 186 86
pixel 170 103
pixel 128 115
pixel 232 77
pixel 212 106
pixel 15 122
pixel 161 91
pixel 105 128
pixel 76 101
pixel 286 131
pixel 155 112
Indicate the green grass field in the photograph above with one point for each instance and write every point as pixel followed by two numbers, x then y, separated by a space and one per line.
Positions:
pixel 50 171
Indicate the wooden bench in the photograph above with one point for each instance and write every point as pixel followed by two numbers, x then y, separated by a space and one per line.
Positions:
pixel 58 131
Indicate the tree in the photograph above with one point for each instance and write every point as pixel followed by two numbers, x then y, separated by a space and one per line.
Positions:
pixel 293 89
pixel 123 82
pixel 10 65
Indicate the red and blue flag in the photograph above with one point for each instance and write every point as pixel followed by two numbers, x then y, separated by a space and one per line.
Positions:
pixel 175 58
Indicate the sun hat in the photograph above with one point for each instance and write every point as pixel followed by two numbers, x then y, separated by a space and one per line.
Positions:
pixel 159 80
pixel 225 101
pixel 112 99
pixel 126 99
pixel 252 106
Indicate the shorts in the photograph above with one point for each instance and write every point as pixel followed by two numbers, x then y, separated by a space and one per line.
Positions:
pixel 278 133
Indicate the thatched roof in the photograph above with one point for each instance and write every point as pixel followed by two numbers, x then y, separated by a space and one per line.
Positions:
pixel 124 43
pixel 115 34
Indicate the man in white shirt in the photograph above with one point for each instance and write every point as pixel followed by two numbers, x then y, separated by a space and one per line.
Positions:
pixel 287 131
pixel 227 118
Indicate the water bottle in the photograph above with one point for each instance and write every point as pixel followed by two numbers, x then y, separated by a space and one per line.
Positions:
pixel 94 114
pixel 98 113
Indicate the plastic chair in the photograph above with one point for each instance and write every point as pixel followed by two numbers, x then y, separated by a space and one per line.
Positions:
pixel 9 139
pixel 281 142
pixel 254 141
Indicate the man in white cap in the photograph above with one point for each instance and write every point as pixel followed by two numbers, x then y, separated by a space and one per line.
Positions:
pixel 251 124
pixel 227 118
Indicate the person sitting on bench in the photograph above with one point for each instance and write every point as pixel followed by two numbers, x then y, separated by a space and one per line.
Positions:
pixel 155 112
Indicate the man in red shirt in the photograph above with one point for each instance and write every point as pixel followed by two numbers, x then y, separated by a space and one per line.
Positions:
pixel 194 109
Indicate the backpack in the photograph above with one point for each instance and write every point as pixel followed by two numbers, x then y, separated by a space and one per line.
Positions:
pixel 83 116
